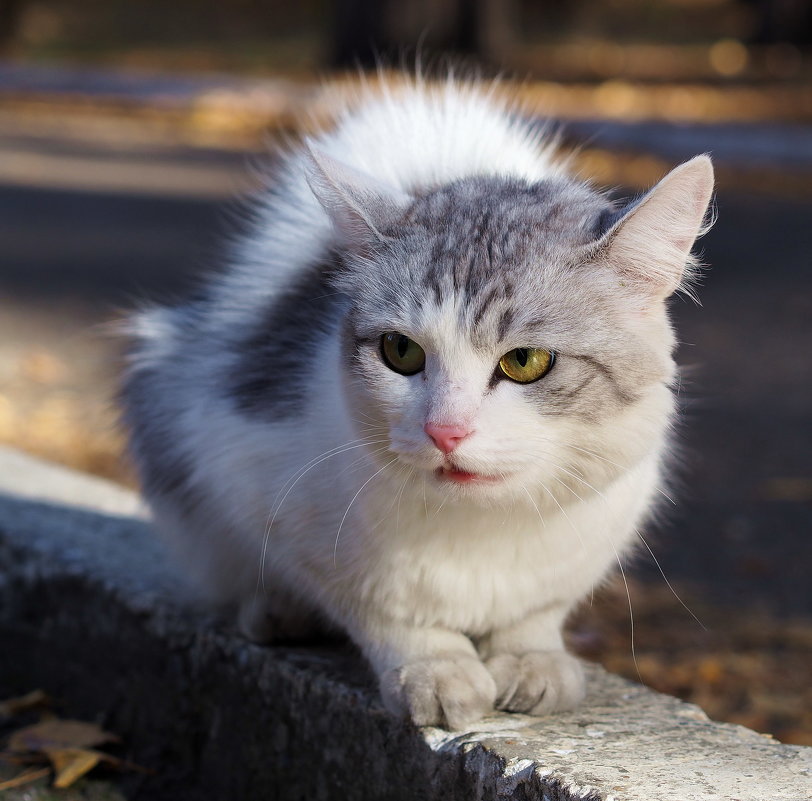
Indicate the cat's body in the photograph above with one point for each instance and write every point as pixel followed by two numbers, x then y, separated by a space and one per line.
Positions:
pixel 442 513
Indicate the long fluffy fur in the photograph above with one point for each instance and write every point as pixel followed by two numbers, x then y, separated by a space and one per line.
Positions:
pixel 290 467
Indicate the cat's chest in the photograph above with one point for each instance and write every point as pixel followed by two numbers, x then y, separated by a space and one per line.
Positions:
pixel 473 571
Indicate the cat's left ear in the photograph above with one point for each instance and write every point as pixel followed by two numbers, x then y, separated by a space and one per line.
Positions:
pixel 359 205
pixel 650 245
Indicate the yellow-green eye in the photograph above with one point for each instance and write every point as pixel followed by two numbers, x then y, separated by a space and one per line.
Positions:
pixel 526 364
pixel 402 354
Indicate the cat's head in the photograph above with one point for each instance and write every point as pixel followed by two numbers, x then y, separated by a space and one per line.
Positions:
pixel 508 337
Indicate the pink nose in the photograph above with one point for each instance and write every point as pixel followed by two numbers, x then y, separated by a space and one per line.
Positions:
pixel 446 438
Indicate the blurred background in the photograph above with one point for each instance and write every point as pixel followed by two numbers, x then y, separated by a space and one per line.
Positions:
pixel 127 130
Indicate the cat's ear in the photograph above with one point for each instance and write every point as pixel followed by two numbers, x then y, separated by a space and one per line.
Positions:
pixel 358 204
pixel 650 244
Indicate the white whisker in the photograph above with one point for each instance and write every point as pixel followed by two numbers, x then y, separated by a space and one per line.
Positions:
pixel 619 466
pixel 440 507
pixel 575 476
pixel 566 516
pixel 622 573
pixel 409 473
pixel 362 443
pixel 535 506
pixel 341 524
pixel 356 463
pixel 631 611
pixel 402 468
pixel 667 582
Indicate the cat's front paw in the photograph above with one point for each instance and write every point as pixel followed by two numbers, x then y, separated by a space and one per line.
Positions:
pixel 538 682
pixel 453 692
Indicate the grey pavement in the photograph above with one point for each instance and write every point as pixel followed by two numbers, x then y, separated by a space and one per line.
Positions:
pixel 742 524
pixel 28 478
pixel 757 145
pixel 137 87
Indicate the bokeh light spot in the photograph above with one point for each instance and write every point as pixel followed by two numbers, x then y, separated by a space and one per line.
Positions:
pixel 728 57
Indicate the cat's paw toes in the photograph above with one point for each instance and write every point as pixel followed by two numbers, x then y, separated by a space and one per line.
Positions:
pixel 453 692
pixel 538 682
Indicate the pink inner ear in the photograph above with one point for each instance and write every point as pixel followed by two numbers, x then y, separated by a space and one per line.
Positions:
pixel 357 203
pixel 696 210
pixel 652 245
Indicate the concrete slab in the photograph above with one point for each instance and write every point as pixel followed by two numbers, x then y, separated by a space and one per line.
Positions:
pixel 92 610
pixel 28 477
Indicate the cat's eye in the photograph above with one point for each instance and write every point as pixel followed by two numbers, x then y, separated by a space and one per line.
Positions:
pixel 402 354
pixel 526 364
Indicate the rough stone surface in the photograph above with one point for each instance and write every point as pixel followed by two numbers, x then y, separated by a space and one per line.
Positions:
pixel 91 610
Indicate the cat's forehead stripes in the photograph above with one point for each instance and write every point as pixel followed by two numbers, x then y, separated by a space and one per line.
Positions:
pixel 481 240
pixel 463 278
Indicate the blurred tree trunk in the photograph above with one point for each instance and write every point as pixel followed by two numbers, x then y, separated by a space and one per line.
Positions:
pixel 783 21
pixel 365 31
pixel 357 35
pixel 10 11
pixel 496 32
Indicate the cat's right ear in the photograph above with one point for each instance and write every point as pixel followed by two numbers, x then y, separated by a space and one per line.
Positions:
pixel 359 206
pixel 650 244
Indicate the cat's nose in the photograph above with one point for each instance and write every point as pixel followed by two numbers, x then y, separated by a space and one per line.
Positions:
pixel 446 438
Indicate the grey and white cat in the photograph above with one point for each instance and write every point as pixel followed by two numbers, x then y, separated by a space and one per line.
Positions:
pixel 428 404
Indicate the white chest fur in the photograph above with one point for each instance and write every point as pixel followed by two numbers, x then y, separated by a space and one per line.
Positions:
pixel 470 568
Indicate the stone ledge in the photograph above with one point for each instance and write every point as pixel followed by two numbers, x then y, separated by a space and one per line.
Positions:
pixel 25 476
pixel 91 611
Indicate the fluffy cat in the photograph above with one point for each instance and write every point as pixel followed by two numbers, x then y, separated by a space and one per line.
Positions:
pixel 428 403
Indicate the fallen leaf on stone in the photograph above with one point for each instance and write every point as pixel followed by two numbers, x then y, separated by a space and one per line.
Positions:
pixel 22 759
pixel 68 764
pixel 32 700
pixel 71 764
pixel 59 734
pixel 24 778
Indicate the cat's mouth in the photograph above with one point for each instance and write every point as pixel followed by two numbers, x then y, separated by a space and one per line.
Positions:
pixel 449 472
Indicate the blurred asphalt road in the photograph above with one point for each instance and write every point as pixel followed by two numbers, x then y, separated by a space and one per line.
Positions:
pixel 147 224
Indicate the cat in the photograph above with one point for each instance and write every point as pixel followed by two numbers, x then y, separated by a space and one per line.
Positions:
pixel 427 404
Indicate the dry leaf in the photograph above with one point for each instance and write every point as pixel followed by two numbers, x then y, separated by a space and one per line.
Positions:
pixel 13 706
pixel 71 764
pixel 22 759
pixel 25 778
pixel 59 734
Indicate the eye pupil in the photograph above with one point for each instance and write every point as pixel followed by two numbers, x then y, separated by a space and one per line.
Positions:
pixel 525 365
pixel 401 354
